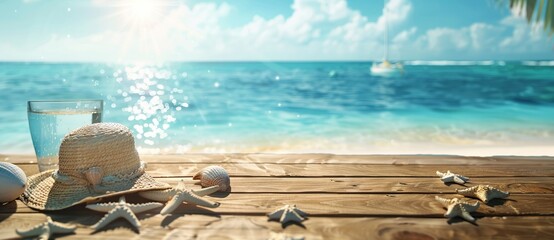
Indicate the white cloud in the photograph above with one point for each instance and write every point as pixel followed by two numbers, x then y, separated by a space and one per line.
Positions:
pixel 523 37
pixel 316 29
pixel 441 39
pixel 484 35
pixel 405 36
pixel 335 9
pixel 510 38
pixel 180 32
pixel 395 12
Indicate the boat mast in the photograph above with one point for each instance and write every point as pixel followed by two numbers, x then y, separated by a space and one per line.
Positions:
pixel 386 38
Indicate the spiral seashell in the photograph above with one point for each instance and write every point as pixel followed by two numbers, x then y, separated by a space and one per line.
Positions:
pixel 214 175
pixel 94 175
pixel 12 182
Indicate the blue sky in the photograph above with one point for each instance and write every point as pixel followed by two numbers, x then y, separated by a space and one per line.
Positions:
pixel 191 30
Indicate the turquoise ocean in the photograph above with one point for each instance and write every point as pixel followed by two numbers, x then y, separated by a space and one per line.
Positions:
pixel 435 107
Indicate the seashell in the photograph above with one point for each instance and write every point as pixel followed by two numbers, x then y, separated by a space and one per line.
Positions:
pixel 12 182
pixel 94 175
pixel 214 175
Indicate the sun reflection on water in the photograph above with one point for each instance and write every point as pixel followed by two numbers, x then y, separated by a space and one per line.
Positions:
pixel 152 98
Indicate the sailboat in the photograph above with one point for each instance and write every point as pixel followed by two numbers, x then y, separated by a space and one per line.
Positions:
pixel 385 67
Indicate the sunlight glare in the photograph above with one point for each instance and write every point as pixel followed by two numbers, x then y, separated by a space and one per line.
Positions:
pixel 142 12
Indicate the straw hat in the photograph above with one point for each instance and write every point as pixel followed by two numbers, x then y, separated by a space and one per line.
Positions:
pixel 95 161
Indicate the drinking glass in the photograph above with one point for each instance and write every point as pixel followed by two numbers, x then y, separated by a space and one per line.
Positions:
pixel 50 121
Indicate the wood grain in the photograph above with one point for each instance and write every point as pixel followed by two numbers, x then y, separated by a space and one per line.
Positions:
pixel 351 170
pixel 347 197
pixel 535 185
pixel 322 159
pixel 421 205
pixel 255 227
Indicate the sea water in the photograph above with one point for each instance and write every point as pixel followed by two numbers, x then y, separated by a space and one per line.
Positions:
pixel 435 107
pixel 49 128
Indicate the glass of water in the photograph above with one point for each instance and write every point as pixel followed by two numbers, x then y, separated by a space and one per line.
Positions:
pixel 50 121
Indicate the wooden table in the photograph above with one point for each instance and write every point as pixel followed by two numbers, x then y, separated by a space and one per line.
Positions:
pixel 347 197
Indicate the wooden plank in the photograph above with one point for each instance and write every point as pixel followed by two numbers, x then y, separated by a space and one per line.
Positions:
pixel 257 227
pixel 341 170
pixel 535 185
pixel 322 159
pixel 401 205
pixel 311 170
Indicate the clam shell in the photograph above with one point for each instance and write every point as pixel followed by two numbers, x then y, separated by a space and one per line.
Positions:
pixel 12 182
pixel 94 175
pixel 214 175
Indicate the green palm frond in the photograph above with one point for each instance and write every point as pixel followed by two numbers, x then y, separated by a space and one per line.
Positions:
pixel 543 11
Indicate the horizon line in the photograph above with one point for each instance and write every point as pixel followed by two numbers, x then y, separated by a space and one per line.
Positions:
pixel 260 61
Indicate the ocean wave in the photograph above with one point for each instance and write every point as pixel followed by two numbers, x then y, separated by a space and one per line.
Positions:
pixel 453 63
pixel 538 63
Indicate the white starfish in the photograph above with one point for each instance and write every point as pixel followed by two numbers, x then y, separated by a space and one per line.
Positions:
pixel 288 213
pixel 483 192
pixel 120 209
pixel 458 208
pixel 449 177
pixel 179 194
pixel 47 229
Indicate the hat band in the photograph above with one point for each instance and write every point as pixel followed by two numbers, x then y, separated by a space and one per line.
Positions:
pixel 106 180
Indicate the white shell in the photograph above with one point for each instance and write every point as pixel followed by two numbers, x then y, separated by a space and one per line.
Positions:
pixel 12 182
pixel 214 175
pixel 94 175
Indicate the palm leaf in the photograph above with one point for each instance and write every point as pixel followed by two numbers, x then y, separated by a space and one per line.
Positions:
pixel 549 16
pixel 529 7
pixel 541 5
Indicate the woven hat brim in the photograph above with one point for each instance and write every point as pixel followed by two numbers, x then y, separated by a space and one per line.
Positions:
pixel 43 192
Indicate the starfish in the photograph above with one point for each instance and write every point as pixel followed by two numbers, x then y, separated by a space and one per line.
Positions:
pixel 458 208
pixel 121 209
pixel 47 229
pixel 449 177
pixel 483 192
pixel 288 213
pixel 179 194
